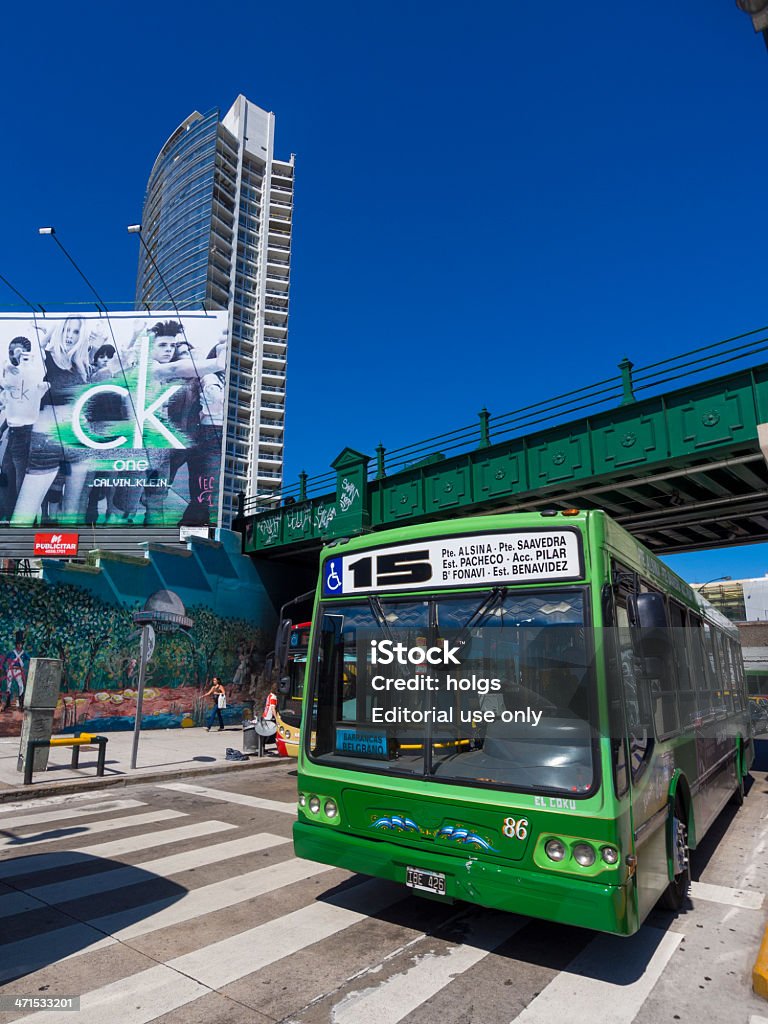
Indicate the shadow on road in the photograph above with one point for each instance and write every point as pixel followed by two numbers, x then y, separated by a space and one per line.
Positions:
pixel 56 905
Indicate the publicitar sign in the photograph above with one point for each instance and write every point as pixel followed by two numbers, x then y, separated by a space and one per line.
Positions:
pixel 56 545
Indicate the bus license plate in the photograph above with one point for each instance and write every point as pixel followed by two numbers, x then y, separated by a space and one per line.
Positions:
pixel 429 881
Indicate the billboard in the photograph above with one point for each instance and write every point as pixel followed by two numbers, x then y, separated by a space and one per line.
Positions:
pixel 111 419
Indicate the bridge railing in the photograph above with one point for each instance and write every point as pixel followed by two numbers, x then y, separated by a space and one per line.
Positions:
pixel 622 388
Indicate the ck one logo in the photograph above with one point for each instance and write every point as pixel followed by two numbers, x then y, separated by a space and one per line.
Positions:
pixel 141 412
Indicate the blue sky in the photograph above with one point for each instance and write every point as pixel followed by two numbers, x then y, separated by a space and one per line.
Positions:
pixel 494 203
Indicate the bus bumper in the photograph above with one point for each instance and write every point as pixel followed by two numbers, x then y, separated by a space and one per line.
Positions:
pixel 566 900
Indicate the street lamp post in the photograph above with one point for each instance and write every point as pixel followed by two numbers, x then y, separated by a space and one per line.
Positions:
pixel 758 12
pixel 717 579
pixel 163 612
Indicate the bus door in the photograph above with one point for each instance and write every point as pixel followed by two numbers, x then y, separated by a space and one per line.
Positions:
pixel 645 689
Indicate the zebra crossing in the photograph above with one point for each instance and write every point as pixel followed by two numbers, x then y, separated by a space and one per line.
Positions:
pixel 199 910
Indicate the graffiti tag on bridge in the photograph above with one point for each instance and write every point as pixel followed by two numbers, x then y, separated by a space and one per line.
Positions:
pixel 349 494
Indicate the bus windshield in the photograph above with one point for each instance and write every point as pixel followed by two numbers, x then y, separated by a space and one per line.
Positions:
pixel 490 688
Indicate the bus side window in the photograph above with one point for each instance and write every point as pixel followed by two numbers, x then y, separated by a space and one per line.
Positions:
pixel 331 664
pixel 695 637
pixel 639 726
pixel 686 693
pixel 737 675
pixel 656 659
pixel 732 674
pixel 712 672
pixel 727 682
pixel 616 724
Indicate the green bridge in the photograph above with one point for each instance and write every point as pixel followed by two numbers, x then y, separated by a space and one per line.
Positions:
pixel 683 469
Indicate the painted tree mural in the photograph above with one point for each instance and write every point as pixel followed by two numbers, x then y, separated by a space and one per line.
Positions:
pixel 99 651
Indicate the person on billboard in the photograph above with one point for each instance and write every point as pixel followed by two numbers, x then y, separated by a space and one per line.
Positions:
pixel 173 361
pixel 16 669
pixel 104 414
pixel 204 458
pixel 184 412
pixel 66 372
pixel 173 386
pixel 128 497
pixel 21 389
pixel 100 364
pixel 98 338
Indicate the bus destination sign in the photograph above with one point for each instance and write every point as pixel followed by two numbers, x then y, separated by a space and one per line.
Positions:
pixel 519 556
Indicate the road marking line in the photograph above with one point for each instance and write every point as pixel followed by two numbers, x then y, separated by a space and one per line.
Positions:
pixel 634 966
pixel 401 994
pixel 747 899
pixel 208 898
pixel 115 848
pixel 140 874
pixel 27 955
pixel 231 798
pixel 32 954
pixel 228 960
pixel 18 903
pixel 81 831
pixel 47 801
pixel 137 999
pixel 22 820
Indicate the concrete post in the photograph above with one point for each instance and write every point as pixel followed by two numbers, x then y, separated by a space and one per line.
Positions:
pixel 40 698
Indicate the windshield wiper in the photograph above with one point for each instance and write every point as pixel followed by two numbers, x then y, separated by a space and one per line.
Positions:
pixel 489 602
pixel 378 614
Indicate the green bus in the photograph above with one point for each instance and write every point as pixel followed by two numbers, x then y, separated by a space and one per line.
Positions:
pixel 527 711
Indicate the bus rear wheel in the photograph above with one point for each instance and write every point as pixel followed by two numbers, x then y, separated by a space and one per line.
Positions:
pixel 675 894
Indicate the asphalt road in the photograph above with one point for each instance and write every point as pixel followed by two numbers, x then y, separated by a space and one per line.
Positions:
pixel 182 903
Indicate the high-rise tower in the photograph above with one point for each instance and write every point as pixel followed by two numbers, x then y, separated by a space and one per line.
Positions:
pixel 217 220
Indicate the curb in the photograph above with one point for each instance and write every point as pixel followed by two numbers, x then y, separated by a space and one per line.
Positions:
pixel 70 786
pixel 760 970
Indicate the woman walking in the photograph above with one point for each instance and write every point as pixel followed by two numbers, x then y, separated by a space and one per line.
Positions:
pixel 219 697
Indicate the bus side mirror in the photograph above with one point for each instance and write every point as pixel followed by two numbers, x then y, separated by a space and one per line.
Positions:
pixel 284 686
pixel 648 616
pixel 282 641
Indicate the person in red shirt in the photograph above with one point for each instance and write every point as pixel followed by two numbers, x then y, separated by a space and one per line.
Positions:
pixel 270 707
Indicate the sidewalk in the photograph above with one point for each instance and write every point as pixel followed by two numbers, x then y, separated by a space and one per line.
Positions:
pixel 162 753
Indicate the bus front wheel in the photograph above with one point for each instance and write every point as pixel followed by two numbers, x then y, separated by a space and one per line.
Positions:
pixel 676 892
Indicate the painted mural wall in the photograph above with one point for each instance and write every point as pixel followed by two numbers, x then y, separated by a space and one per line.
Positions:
pixel 83 615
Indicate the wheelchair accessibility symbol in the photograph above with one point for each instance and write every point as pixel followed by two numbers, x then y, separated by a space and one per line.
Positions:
pixel 332 584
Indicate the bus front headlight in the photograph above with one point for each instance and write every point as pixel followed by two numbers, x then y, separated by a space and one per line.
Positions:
pixel 330 808
pixel 609 855
pixel 314 804
pixel 584 854
pixel 302 799
pixel 554 849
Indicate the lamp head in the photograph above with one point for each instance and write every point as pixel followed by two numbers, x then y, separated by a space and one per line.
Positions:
pixel 134 229
pixel 46 231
